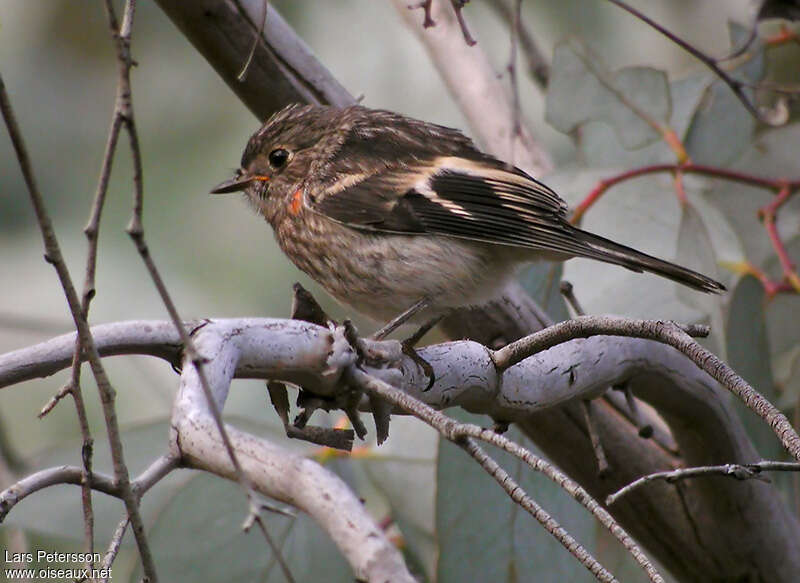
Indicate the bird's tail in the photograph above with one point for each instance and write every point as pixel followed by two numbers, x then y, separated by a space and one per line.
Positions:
pixel 601 248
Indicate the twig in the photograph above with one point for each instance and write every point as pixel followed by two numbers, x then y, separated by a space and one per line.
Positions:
pixel 739 471
pixel 458 6
pixel 645 429
pixel 688 168
pixel 516 24
pixel 276 552
pixel 135 230
pixel 113 547
pixel 426 7
pixel 568 291
pixel 454 431
pixel 256 40
pixel 42 479
pixel 518 495
pixel 735 85
pixel 538 68
pixel 784 190
pixel 768 215
pixel 678 337
pixel 54 257
pixel 594 438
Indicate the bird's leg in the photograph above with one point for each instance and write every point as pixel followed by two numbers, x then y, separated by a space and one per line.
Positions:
pixel 412 340
pixel 408 349
pixel 395 323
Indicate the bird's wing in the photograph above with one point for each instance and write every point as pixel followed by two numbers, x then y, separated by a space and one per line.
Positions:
pixel 482 200
pixel 477 199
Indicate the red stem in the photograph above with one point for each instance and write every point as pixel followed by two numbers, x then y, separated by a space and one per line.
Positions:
pixel 688 168
pixel 769 214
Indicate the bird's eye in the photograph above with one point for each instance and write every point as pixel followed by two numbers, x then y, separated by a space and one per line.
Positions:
pixel 278 157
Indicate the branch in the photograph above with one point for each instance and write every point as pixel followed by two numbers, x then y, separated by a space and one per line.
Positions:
pixel 668 333
pixel 42 479
pixel 283 70
pixel 289 478
pixel 735 85
pixel 737 471
pixel 538 68
pixel 107 396
pixel 457 432
pixel 693 533
pixel 480 94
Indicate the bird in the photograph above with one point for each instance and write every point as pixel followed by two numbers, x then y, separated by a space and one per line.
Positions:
pixel 403 219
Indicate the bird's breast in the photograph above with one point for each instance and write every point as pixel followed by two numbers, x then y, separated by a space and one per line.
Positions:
pixel 382 274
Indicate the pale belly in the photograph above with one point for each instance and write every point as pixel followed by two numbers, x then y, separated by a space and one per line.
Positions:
pixel 382 275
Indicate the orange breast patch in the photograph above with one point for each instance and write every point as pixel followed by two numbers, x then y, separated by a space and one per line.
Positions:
pixel 297 202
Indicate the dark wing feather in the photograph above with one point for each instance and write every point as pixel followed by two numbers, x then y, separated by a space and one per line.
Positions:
pixel 482 200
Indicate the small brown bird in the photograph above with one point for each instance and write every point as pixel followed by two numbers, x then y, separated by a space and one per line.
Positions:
pixel 392 215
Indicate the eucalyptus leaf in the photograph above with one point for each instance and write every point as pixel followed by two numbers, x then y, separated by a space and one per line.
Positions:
pixel 215 508
pixel 696 252
pixel 642 213
pixel 600 146
pixel 722 128
pixel 582 89
pixel 58 511
pixel 772 154
pixel 484 536
pixel 749 354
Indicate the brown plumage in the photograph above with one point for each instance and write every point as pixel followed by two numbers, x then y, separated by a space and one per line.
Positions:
pixel 383 210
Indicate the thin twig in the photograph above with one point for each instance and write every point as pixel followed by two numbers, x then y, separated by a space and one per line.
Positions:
pixel 735 85
pixel 107 394
pixel 42 479
pixel 679 337
pixel 518 495
pixel 738 471
pixel 594 438
pixel 135 230
pixel 456 432
pixel 426 6
pixel 113 547
pixel 256 40
pixel 568 291
pixel 775 184
pixel 276 552
pixel 458 6
pixel 769 215
pixel 538 68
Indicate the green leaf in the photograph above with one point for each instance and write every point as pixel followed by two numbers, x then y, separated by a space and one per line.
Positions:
pixel 722 128
pixel 58 511
pixel 582 89
pixel 772 154
pixel 542 281
pixel 695 251
pixel 600 146
pixel 642 213
pixel 198 537
pixel 749 355
pixel 484 536
pixel 403 471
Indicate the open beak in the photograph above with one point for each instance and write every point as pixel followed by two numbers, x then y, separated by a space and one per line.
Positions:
pixel 237 183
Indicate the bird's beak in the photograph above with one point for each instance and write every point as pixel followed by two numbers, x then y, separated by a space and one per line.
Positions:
pixel 237 183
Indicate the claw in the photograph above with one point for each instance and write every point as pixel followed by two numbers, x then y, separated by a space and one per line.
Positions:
pixel 409 351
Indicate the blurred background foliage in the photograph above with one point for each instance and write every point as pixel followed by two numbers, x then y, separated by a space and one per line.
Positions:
pixel 219 260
